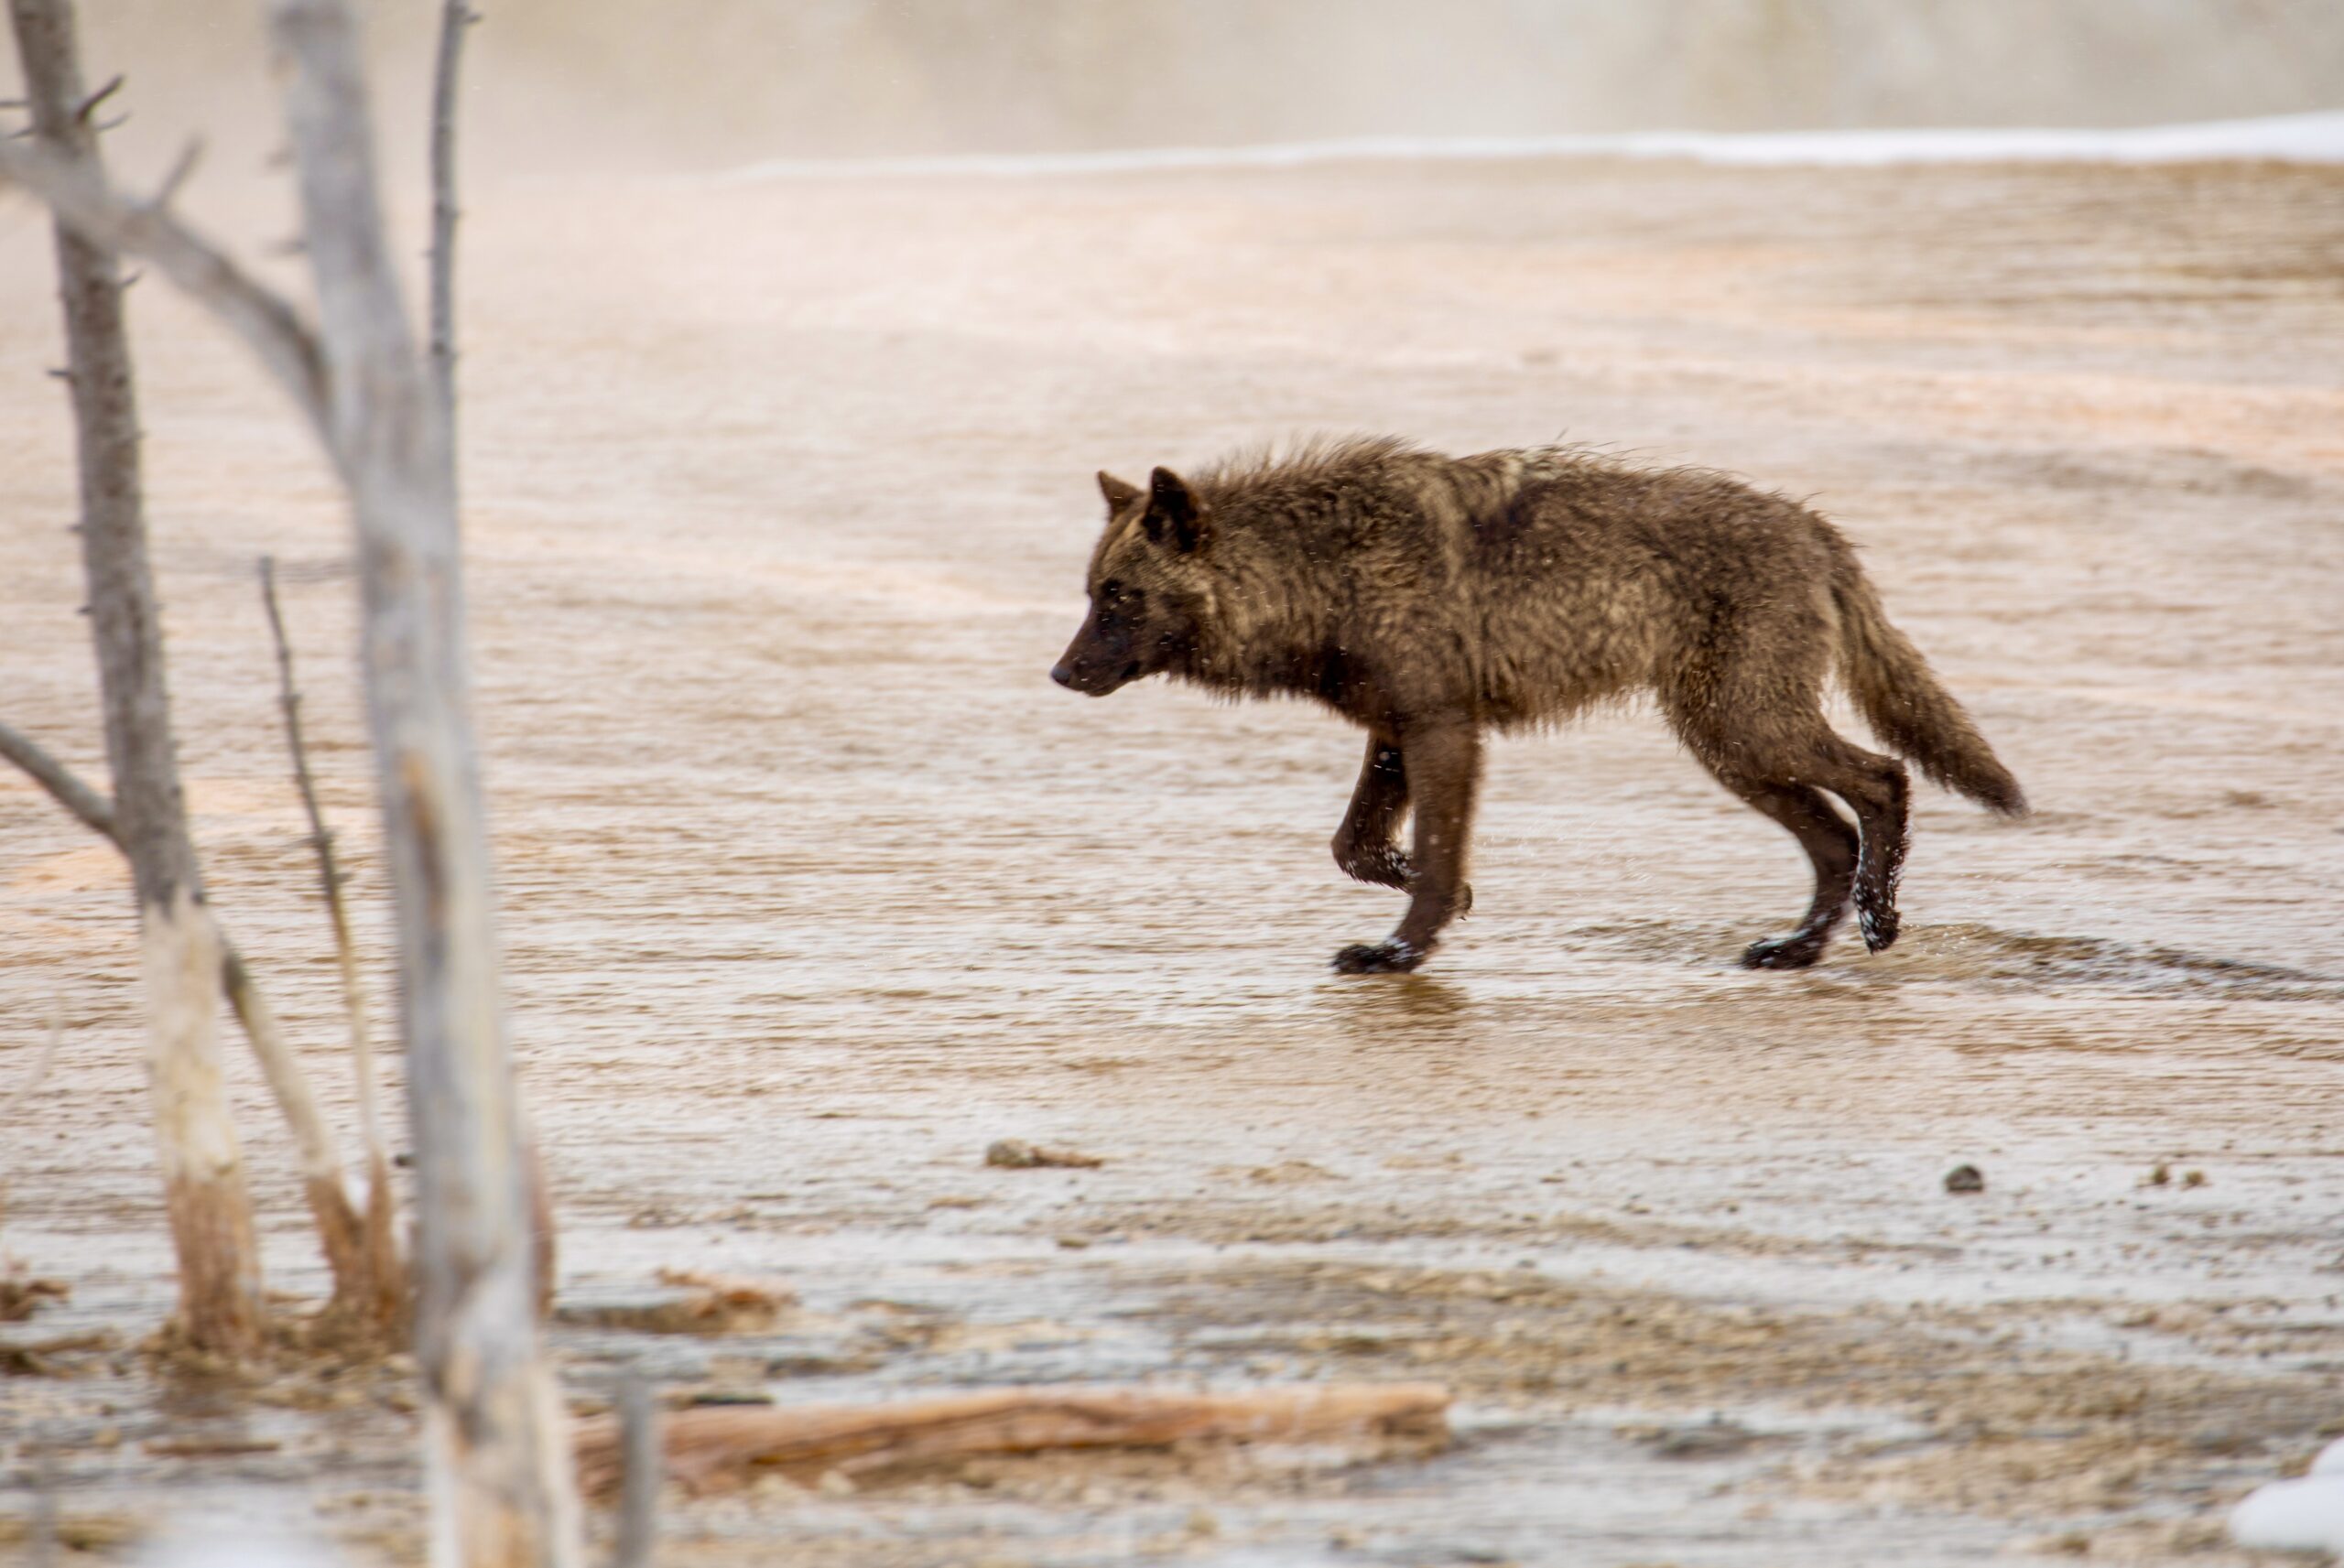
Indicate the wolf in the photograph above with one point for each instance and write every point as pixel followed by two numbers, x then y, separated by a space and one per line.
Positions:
pixel 1432 600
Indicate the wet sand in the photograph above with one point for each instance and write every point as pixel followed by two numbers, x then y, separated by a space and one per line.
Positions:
pixel 778 499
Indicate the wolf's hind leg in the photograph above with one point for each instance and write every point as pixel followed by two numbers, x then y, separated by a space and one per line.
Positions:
pixel 1762 734
pixel 1831 844
pixel 1880 793
pixel 1363 844
pixel 1443 770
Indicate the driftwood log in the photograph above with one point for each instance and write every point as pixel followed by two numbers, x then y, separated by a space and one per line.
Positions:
pixel 713 1449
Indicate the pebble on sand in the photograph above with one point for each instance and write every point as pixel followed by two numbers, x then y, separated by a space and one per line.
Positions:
pixel 1016 1155
pixel 1965 1179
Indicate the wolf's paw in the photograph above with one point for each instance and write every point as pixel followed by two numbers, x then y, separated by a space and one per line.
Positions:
pixel 1381 864
pixel 1796 951
pixel 1394 957
pixel 1878 927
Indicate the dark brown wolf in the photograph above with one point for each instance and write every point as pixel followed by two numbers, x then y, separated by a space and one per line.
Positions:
pixel 1428 599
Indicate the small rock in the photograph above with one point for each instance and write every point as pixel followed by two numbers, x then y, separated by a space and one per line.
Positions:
pixel 1713 1440
pixel 1288 1172
pixel 2160 1174
pixel 2193 1178
pixel 690 1399
pixel 1965 1179
pixel 1016 1155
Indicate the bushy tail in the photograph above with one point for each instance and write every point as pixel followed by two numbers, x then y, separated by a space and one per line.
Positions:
pixel 1901 700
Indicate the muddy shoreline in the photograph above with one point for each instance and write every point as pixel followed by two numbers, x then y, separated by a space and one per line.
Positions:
pixel 780 496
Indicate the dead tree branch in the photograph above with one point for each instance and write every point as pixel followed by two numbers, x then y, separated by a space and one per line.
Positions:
pixel 356 1280
pixel 378 1279
pixel 81 198
pixel 455 18
pixel 63 784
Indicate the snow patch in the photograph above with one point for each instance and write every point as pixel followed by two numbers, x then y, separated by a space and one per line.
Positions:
pixel 2288 138
pixel 2296 1516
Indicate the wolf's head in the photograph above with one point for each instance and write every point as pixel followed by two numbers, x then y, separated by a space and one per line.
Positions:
pixel 1151 592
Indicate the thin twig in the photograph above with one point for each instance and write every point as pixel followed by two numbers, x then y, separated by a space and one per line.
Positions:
pixel 455 16
pixel 329 878
pixel 83 199
pixel 89 106
pixel 190 155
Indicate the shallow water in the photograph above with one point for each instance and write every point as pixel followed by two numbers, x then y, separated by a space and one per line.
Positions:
pixel 778 500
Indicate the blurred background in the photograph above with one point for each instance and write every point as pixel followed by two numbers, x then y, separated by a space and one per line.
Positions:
pixel 621 84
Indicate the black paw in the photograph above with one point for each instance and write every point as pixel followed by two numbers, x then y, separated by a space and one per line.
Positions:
pixel 1797 951
pixel 1383 865
pixel 1378 959
pixel 1879 929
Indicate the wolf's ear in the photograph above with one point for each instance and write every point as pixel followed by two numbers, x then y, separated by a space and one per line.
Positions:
pixel 1175 516
pixel 1119 494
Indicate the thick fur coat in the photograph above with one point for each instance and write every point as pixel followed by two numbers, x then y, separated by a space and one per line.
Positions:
pixel 1430 598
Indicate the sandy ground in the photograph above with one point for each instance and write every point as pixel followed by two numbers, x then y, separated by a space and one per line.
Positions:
pixel 779 500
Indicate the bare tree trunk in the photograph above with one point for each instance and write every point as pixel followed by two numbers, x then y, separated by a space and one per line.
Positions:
pixel 203 1179
pixel 375 1287
pixel 340 1233
pixel 455 18
pixel 497 1442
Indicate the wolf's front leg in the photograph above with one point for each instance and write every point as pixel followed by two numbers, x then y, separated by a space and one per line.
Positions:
pixel 1363 846
pixel 1443 765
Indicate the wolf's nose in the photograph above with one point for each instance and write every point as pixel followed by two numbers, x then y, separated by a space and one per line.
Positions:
pixel 1060 673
